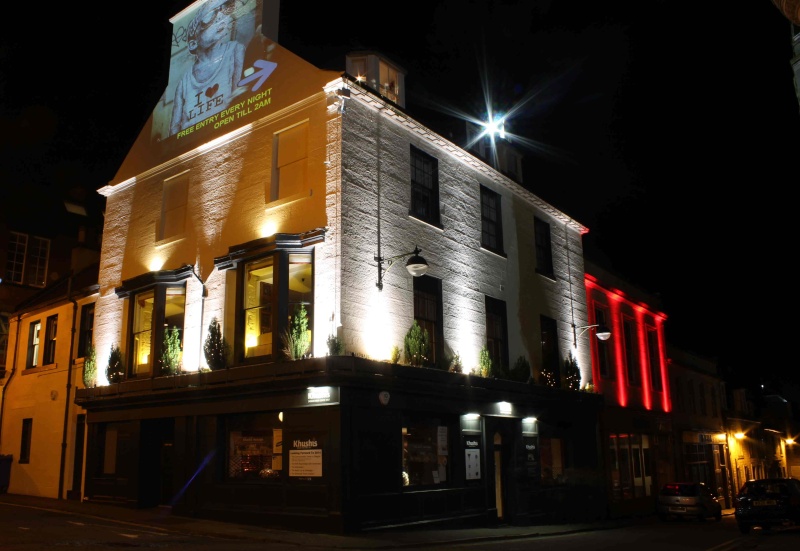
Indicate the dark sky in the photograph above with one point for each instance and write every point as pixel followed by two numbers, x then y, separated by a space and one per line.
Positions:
pixel 668 128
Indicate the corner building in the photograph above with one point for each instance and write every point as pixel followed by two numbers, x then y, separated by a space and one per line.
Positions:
pixel 303 188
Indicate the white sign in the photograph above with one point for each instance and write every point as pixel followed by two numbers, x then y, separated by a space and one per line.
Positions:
pixel 305 463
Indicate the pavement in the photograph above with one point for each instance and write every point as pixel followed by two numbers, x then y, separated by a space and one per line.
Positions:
pixel 161 518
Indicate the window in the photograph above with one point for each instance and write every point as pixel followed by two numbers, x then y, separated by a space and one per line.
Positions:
pixel 174 198
pixel 654 359
pixel 551 370
pixel 291 163
pixel 389 83
pixel 274 288
pixel 603 348
pixel 424 187
pixel 631 358
pixel 258 307
pixel 143 307
pixel 426 451
pixel 714 402
pixel 158 303
pixel 544 252
pixel 27 259
pixel 33 344
pixel 491 221
pixel 702 399
pixel 255 447
pixel 497 331
pixel 51 330
pixel 86 328
pixel 428 314
pixel 25 443
pixel 692 397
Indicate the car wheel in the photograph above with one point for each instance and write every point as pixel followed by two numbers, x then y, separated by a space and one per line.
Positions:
pixel 744 528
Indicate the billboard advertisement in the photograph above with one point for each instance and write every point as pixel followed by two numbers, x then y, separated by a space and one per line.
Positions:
pixel 219 71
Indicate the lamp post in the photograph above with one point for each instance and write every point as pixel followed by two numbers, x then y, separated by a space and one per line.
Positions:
pixel 601 332
pixel 416 265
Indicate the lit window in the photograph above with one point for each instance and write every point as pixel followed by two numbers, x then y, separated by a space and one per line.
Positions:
pixel 51 330
pixel 33 344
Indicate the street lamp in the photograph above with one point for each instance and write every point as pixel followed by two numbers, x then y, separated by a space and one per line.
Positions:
pixel 601 332
pixel 416 265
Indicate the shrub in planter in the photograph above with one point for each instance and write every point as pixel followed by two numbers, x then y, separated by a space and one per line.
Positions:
pixel 297 337
pixel 90 367
pixel 115 372
pixel 485 363
pixel 171 352
pixel 572 374
pixel 395 354
pixel 416 345
pixel 335 345
pixel 520 371
pixel 216 349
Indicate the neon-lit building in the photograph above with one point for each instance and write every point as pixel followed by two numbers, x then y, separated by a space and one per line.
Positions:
pixel 287 197
pixel 630 371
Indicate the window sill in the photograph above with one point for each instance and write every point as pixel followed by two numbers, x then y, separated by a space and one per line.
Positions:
pixel 169 240
pixel 426 222
pixel 278 203
pixel 39 369
pixel 551 276
pixel 499 254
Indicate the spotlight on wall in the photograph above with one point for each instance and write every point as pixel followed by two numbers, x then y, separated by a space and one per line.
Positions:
pixel 601 332
pixel 416 265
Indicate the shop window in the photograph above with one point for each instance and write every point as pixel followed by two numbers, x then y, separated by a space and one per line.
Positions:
pixel 552 459
pixel 426 452
pixel 290 159
pixel 25 443
pixel 50 334
pixel 33 344
pixel 544 251
pixel 424 187
pixel 255 447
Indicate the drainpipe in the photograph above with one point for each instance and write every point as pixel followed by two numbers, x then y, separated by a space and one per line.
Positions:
pixel 69 388
pixel 11 376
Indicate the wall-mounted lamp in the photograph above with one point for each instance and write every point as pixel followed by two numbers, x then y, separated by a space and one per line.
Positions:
pixel 739 435
pixel 416 265
pixel 601 332
pixel 790 441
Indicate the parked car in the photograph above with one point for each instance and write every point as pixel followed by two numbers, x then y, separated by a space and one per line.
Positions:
pixel 688 500
pixel 768 502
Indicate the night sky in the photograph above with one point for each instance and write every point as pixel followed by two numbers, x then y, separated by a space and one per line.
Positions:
pixel 668 128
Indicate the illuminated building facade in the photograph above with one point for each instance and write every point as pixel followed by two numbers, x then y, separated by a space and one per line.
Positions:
pixel 630 371
pixel 297 191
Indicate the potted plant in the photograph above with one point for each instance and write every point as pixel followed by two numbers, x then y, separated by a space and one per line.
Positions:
pixel 416 345
pixel 215 348
pixel 297 337
pixel 90 367
pixel 115 372
pixel 171 352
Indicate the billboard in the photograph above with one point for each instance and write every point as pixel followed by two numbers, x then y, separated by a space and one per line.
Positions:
pixel 219 70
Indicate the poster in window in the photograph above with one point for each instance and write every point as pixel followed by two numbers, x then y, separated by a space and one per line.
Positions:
pixel 473 460
pixel 305 456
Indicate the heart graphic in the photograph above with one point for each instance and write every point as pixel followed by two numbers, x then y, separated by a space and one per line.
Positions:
pixel 212 90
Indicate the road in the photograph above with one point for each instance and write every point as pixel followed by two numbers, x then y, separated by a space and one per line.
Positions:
pixel 41 529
